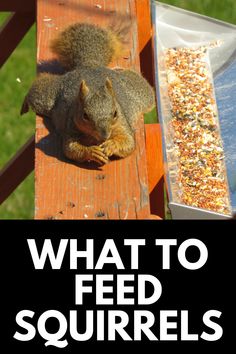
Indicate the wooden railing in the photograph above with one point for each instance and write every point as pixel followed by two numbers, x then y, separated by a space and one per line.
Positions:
pixel 17 169
pixel 12 31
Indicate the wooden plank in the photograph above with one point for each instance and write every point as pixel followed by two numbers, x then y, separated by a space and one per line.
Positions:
pixel 17 5
pixel 155 168
pixel 64 190
pixel 145 39
pixel 153 131
pixel 17 169
pixel 12 32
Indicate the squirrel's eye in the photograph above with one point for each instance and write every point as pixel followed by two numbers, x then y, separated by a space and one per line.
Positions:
pixel 115 115
pixel 85 116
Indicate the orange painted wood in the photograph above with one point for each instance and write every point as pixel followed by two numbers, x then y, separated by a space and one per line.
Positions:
pixel 12 32
pixel 17 169
pixel 153 132
pixel 155 168
pixel 145 39
pixel 65 190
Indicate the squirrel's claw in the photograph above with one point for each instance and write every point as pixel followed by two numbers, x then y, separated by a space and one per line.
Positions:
pixel 97 154
pixel 109 147
pixel 121 146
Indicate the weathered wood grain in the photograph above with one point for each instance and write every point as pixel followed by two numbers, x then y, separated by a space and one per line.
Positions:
pixel 65 190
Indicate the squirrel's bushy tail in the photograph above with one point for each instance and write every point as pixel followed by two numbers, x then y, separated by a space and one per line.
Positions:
pixel 84 44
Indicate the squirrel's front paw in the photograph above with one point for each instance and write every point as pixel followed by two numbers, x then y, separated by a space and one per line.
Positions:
pixel 109 147
pixel 121 147
pixel 96 153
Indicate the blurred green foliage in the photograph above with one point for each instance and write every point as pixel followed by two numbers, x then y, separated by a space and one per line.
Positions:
pixel 224 10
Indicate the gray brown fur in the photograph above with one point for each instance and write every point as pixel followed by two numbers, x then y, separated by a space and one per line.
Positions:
pixel 93 107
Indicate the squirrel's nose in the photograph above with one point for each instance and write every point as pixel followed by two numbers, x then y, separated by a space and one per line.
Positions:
pixel 105 134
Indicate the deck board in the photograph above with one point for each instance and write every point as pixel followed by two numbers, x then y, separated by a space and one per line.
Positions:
pixel 64 190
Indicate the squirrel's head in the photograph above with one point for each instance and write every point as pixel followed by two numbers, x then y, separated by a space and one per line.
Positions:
pixel 98 111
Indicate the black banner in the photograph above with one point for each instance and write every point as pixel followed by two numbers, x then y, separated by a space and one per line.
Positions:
pixel 85 285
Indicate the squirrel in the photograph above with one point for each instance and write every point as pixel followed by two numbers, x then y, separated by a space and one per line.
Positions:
pixel 93 107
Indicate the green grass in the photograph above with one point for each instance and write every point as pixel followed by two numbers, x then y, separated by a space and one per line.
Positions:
pixel 224 10
pixel 15 130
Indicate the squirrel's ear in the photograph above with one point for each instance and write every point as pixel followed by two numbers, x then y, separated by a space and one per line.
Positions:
pixel 109 86
pixel 84 90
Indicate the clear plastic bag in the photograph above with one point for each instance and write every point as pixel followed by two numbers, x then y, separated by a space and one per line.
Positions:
pixel 195 59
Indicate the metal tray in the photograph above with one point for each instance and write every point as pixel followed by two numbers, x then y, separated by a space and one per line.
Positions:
pixel 177 28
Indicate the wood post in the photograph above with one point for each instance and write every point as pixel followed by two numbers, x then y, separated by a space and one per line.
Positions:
pixel 17 169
